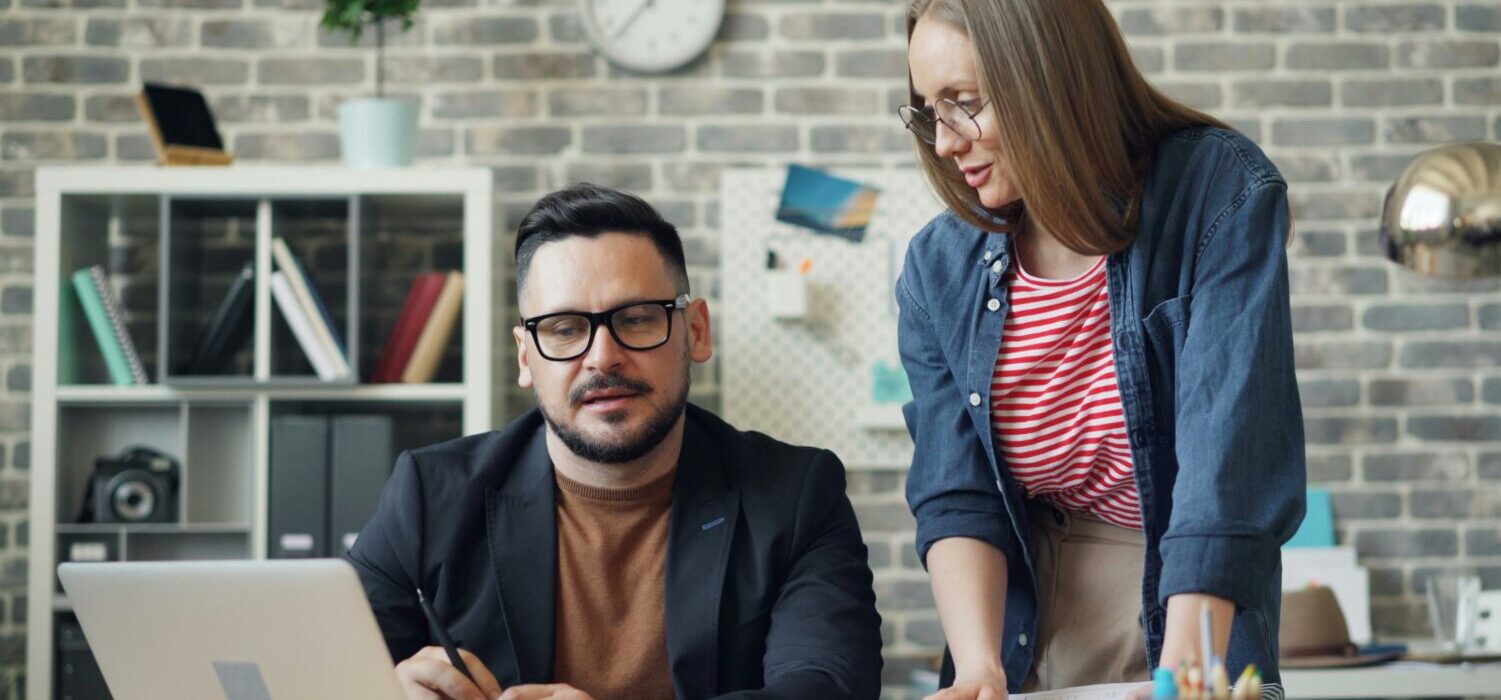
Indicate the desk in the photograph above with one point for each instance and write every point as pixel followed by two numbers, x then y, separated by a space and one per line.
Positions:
pixel 1400 682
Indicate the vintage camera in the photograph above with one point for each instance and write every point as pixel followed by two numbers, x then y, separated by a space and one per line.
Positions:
pixel 137 486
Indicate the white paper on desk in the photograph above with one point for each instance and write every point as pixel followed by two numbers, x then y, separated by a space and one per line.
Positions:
pixel 1108 691
pixel 1333 567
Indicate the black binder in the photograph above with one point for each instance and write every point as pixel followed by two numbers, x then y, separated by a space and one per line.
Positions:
pixel 299 487
pixel 361 457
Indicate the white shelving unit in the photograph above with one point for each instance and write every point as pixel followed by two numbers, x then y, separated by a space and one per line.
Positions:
pixel 219 427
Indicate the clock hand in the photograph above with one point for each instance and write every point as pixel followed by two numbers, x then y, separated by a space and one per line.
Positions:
pixel 632 19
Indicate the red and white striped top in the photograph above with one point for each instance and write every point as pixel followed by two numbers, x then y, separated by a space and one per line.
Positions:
pixel 1054 402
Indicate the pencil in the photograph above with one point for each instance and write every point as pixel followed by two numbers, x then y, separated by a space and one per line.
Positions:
pixel 442 635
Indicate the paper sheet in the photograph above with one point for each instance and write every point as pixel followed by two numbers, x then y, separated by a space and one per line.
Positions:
pixel 1109 691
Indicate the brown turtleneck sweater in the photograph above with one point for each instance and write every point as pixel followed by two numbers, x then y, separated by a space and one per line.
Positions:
pixel 611 589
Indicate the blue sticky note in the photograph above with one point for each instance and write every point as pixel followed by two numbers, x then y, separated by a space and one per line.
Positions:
pixel 1318 525
pixel 889 383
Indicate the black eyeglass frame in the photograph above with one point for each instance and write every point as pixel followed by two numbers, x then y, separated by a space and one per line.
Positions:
pixel 606 318
pixel 930 113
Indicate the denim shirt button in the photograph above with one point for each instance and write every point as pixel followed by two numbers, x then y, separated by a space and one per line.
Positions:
pixel 988 255
pixel 974 399
pixel 996 267
pixel 1021 639
pixel 993 304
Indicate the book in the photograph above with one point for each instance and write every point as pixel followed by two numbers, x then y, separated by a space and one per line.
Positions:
pixel 307 297
pixel 227 330
pixel 403 339
pixel 297 318
pixel 428 353
pixel 108 325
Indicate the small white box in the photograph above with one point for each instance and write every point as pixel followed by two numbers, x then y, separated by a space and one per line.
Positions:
pixel 787 294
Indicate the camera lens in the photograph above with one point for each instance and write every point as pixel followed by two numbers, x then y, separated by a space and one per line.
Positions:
pixel 133 501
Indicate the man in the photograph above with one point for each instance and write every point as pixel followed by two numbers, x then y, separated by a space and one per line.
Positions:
pixel 617 542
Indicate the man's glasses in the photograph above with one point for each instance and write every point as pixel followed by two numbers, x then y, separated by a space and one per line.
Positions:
pixel 567 335
pixel 959 117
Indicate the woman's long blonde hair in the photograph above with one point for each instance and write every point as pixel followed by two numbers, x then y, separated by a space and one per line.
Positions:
pixel 1076 118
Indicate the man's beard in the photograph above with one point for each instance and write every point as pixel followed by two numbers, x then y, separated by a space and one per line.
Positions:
pixel 617 448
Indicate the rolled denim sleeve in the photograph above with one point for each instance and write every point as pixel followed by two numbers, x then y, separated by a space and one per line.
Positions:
pixel 951 487
pixel 1240 488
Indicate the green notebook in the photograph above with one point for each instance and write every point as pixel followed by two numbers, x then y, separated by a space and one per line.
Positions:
pixel 104 333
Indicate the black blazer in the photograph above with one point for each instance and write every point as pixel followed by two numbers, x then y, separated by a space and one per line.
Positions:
pixel 768 586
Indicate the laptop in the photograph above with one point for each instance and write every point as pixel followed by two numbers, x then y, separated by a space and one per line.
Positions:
pixel 236 630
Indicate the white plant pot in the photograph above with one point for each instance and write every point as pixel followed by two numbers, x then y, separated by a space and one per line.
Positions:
pixel 377 132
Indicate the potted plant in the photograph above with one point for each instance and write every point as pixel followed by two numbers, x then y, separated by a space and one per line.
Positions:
pixel 374 131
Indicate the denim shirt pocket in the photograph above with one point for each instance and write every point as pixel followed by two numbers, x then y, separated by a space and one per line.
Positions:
pixel 1164 329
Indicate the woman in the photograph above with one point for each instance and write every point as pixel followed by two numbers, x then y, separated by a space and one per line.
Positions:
pixel 1098 338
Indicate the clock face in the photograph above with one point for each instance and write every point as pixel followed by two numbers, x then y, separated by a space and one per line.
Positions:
pixel 652 35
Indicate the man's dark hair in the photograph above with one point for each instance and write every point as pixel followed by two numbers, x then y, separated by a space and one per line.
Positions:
pixel 590 211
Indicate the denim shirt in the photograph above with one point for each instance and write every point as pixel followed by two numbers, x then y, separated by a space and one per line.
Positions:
pixel 1202 334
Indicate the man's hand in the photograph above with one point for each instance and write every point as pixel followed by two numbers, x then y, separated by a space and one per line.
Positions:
pixel 555 691
pixel 990 685
pixel 429 676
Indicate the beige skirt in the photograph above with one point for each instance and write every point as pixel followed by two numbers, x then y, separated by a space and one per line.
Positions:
pixel 1089 575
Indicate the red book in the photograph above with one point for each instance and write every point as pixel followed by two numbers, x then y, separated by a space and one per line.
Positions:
pixel 409 325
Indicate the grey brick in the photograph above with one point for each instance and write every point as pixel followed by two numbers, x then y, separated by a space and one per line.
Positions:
pixel 1222 56
pixel 565 28
pixel 44 145
pixel 1335 205
pixel 1341 56
pixel 74 69
pixel 634 177
pixel 597 101
pixel 134 147
pixel 1323 393
pixel 37 31
pixel 1489 316
pixel 1306 279
pixel 744 26
pixel 1407 543
pixel 1395 18
pixel 1323 132
pixel 1160 21
pixel 192 4
pixel 261 109
pixel 692 176
pixel 878 556
pixel 1408 317
pixel 426 70
pixel 254 34
pixel 395 39
pixel 1387 581
pixel 771 64
pixel 1325 469
pixel 1420 392
pixel 510 104
pixel 905 594
pixel 23 107
pixel 15 300
pixel 73 4
pixel 1318 244
pixel 1474 17
pixel 1311 319
pixel 845 101
pixel 1447 467
pixel 1343 354
pixel 747 138
pixel 1455 428
pixel 1409 281
pixel 17 182
pixel 871 63
pixel 635 138
pixel 18 378
pixel 1455 503
pixel 1149 59
pixel 1366 506
pixel 832 26
pixel 514 178
pixel 1474 354
pixel 22 461
pixel 1308 168
pixel 17 222
pixel 281 145
pixel 882 517
pixel 1489 465
pixel 709 100
pixel 1483 541
pixel 466 30
pixel 1281 93
pixel 1379 168
pixel 1434 129
pixel 517 141
pixel 196 71
pixel 7 70
pixel 1349 430
pixel 435 143
pixel 1198 95
pixel 860 139
pixel 1285 20
pixel 310 71
pixel 544 66
pixel 1477 91
pixel 926 631
pixel 1447 54
pixel 1390 92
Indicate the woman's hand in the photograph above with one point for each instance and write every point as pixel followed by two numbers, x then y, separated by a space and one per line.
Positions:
pixel 988 685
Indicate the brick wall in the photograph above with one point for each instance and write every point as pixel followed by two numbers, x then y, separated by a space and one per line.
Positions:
pixel 1401 376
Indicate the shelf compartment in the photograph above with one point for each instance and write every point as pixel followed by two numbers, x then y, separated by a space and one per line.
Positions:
pixel 120 233
pixel 319 234
pixel 218 474
pixel 88 432
pixel 401 237
pixel 186 546
pixel 207 243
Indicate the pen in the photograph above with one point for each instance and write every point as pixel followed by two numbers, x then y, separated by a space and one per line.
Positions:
pixel 442 635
